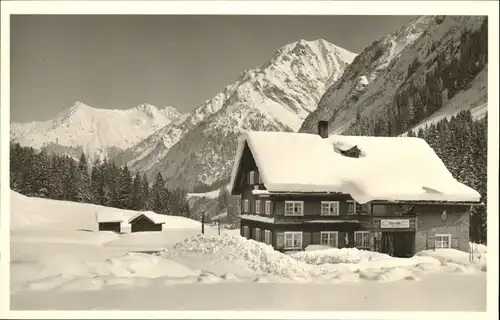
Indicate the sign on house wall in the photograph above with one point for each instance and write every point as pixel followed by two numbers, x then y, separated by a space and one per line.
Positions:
pixel 394 223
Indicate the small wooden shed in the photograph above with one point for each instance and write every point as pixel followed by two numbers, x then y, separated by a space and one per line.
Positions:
pixel 145 221
pixel 109 221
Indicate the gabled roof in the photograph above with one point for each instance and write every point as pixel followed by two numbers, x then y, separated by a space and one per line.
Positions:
pixel 109 216
pixel 152 216
pixel 389 168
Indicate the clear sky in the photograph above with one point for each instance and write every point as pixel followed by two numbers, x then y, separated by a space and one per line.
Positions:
pixel 118 62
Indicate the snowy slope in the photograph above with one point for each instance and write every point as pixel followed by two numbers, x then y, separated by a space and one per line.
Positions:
pixel 97 132
pixel 369 85
pixel 210 195
pixel 30 213
pixel 475 98
pixel 276 96
pixel 339 99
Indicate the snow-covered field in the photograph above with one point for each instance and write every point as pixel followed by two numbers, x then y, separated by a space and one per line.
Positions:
pixel 60 261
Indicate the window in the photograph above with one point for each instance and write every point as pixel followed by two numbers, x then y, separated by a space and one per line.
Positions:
pixel 257 234
pixel 362 239
pixel 293 240
pixel 246 205
pixel 294 208
pixel 251 177
pixel 442 241
pixel 246 232
pixel 268 207
pixel 267 237
pixel 329 208
pixel 257 206
pixel 330 238
pixel 353 207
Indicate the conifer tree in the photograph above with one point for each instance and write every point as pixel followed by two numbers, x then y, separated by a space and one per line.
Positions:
pixel 145 203
pixel 96 183
pixel 83 180
pixel 70 180
pixel 158 195
pixel 57 172
pixel 42 174
pixel 124 188
pixel 136 192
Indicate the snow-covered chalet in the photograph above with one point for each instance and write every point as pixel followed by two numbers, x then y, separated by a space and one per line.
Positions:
pixel 387 194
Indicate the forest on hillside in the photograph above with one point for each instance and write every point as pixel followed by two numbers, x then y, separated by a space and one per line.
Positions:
pixel 428 86
pixel 460 142
pixel 40 174
pixel 462 145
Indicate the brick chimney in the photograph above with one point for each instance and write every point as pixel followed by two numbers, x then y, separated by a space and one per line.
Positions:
pixel 323 129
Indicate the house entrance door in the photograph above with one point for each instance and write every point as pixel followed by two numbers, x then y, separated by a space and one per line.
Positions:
pixel 388 243
pixel 398 244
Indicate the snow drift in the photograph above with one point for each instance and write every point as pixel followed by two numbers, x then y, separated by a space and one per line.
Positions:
pixel 330 265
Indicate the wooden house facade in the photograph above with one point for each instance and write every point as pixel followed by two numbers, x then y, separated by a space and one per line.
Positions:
pixel 109 221
pixel 114 226
pixel 292 217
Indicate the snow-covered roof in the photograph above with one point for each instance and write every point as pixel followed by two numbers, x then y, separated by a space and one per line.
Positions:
pixel 109 216
pixel 148 214
pixel 390 168
pixel 257 218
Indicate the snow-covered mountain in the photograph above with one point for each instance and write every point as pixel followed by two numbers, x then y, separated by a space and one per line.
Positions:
pixel 99 133
pixel 277 95
pixel 143 155
pixel 379 77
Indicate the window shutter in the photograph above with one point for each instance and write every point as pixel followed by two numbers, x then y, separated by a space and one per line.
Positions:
pixel 280 240
pixel 251 176
pixel 268 209
pixel 256 177
pixel 359 208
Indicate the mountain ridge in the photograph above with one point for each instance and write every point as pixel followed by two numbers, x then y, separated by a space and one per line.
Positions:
pixel 277 95
pixel 276 92
pixel 82 128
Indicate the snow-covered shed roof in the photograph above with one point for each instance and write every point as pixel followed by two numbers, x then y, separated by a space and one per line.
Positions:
pixel 154 217
pixel 108 216
pixel 389 168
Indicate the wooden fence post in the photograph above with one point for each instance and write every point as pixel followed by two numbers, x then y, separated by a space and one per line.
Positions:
pixel 203 222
